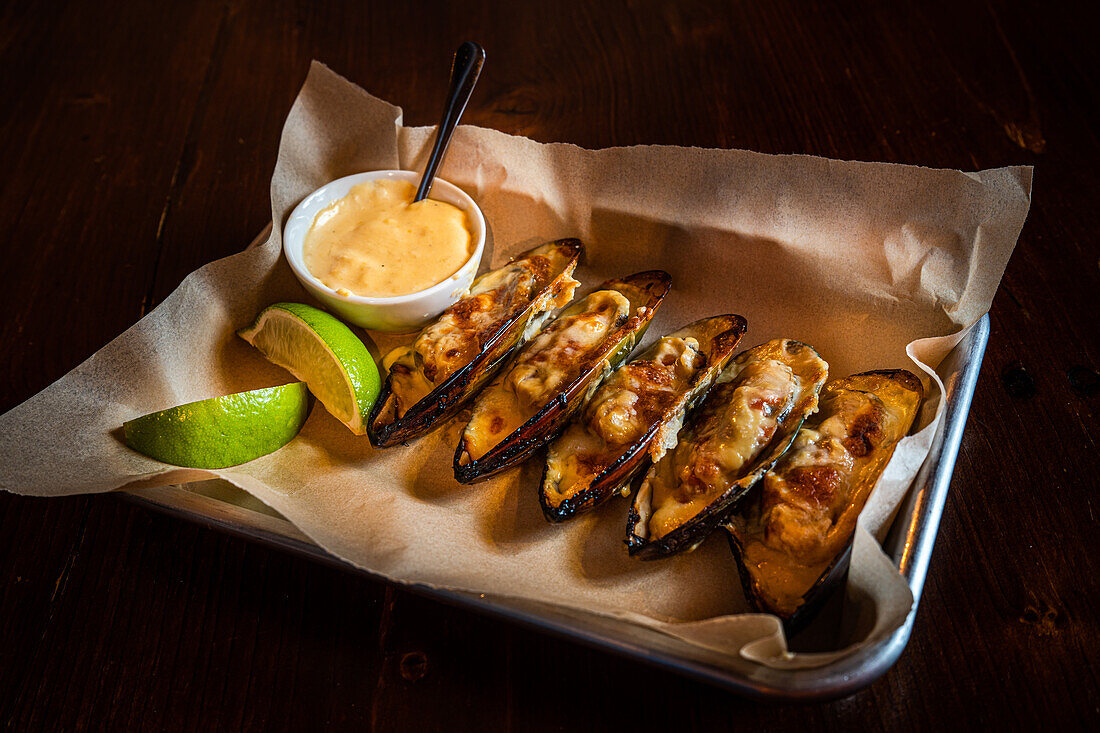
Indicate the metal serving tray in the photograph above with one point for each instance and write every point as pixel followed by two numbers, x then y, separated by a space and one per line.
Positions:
pixel 910 541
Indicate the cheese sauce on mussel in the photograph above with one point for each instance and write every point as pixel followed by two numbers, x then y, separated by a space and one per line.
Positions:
pixel 747 419
pixel 555 357
pixel 503 309
pixel 531 401
pixel 804 516
pixel 598 454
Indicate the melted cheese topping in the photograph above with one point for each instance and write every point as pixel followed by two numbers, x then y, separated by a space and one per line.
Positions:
pixel 545 367
pixel 639 393
pixel 811 500
pixel 376 242
pixel 458 336
pixel 622 411
pixel 736 422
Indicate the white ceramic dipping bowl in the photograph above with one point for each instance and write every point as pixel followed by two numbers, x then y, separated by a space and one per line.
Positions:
pixel 399 313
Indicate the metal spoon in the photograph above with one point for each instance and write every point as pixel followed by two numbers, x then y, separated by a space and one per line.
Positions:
pixel 464 72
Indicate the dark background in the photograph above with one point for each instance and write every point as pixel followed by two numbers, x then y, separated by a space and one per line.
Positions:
pixel 136 144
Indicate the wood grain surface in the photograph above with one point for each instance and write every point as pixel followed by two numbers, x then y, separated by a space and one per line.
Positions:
pixel 136 144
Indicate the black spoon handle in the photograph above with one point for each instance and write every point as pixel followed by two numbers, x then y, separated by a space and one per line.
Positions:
pixel 467 65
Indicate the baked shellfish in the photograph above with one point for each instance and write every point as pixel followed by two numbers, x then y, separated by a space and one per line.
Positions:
pixel 456 355
pixel 793 538
pixel 632 416
pixel 554 374
pixel 742 427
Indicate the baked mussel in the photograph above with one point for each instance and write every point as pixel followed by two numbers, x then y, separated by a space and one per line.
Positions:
pixel 553 375
pixel 456 355
pixel 792 537
pixel 745 423
pixel 632 416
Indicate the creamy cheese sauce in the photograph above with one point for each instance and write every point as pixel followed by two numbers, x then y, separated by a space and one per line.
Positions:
pixel 791 527
pixel 622 410
pixel 577 458
pixel 780 584
pixel 809 504
pixel 547 364
pixel 637 394
pixel 737 421
pixel 376 242
pixel 459 335
pixel 455 339
pixel 756 400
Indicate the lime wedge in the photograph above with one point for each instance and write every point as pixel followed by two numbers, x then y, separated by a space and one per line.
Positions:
pixel 222 431
pixel 324 353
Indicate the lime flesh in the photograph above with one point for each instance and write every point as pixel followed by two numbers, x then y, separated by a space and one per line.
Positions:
pixel 222 431
pixel 319 349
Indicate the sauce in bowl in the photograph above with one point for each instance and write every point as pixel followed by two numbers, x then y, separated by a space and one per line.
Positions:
pixel 375 242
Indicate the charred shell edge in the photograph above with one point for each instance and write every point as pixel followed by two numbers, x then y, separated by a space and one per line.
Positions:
pixel 450 395
pixel 551 419
pixel 904 377
pixel 691 533
pixel 626 466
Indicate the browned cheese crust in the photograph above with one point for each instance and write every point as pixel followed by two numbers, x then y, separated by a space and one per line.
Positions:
pixel 622 411
pixel 556 357
pixel 809 503
pixel 460 334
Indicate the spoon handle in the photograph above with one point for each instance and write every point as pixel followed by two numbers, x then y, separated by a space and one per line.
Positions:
pixel 467 65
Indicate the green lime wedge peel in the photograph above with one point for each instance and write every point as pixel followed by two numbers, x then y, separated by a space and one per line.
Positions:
pixel 222 431
pixel 319 349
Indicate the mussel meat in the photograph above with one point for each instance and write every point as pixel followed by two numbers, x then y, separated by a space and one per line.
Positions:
pixel 792 538
pixel 455 356
pixel 553 375
pixel 742 427
pixel 630 418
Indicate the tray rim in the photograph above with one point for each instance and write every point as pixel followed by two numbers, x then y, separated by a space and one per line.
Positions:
pixel 909 544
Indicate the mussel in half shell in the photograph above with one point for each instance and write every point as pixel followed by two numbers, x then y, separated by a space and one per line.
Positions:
pixel 792 538
pixel 554 374
pixel 634 415
pixel 456 355
pixel 742 427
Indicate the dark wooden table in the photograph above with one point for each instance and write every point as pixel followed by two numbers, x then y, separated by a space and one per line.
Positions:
pixel 136 143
